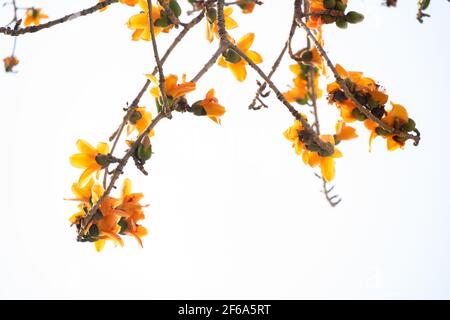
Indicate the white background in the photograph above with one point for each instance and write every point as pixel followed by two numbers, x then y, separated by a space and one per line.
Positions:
pixel 234 213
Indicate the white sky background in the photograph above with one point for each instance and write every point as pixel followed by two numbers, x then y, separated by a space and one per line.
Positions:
pixel 234 213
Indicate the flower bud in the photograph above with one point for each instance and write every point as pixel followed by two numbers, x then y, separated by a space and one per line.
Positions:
pixel 211 15
pixel 341 23
pixel 144 150
pixel 93 231
pixel 354 17
pixel 381 132
pixel 175 7
pixel 328 19
pixel 358 114
pixel 408 126
pixel 163 21
pixel 329 4
pixel 325 153
pixel 341 6
pixel 399 139
pixel 231 56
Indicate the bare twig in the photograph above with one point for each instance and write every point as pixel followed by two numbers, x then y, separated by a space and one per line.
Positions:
pixel 20 31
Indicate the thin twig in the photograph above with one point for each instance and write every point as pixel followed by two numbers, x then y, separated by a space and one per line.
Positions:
pixel 31 29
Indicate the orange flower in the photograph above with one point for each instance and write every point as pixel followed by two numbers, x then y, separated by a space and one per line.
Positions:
pixel 209 107
pixel 212 28
pixel 129 203
pixel 139 22
pixel 231 60
pixel 140 119
pixel 344 132
pixel 91 159
pixel 34 16
pixel 172 89
pixel 10 62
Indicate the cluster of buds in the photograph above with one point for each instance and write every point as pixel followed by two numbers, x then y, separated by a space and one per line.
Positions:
pixel 332 11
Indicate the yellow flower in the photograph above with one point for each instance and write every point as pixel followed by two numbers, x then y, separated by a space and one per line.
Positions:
pixel 129 203
pixel 10 62
pixel 326 162
pixel 212 28
pixel 34 16
pixel 344 132
pixel 82 193
pixel 292 134
pixel 172 89
pixel 140 119
pixel 87 195
pixel 209 107
pixel 91 159
pixel 299 92
pixel 304 147
pixel 139 22
pixel 231 60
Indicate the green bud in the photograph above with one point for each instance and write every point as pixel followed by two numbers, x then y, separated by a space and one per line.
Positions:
pixel 399 139
pixel 408 126
pixel 354 17
pixel 340 6
pixel 361 98
pixel 102 159
pixel 358 114
pixel 341 23
pixel 328 19
pixel 381 132
pixel 231 56
pixel 144 153
pixel 175 7
pixel 163 21
pixel 211 15
pixel 197 109
pixel 329 4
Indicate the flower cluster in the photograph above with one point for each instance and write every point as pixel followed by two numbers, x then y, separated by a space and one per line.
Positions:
pixel 113 217
pixel 311 153
pixel 331 11
pixel 371 97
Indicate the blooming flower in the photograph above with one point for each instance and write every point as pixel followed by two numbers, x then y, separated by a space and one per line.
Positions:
pixel 34 16
pixel 344 132
pixel 10 62
pixel 212 27
pixel 91 159
pixel 140 119
pixel 231 60
pixel 209 107
pixel 397 118
pixel 310 152
pixel 172 88
pixel 140 22
pixel 129 203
